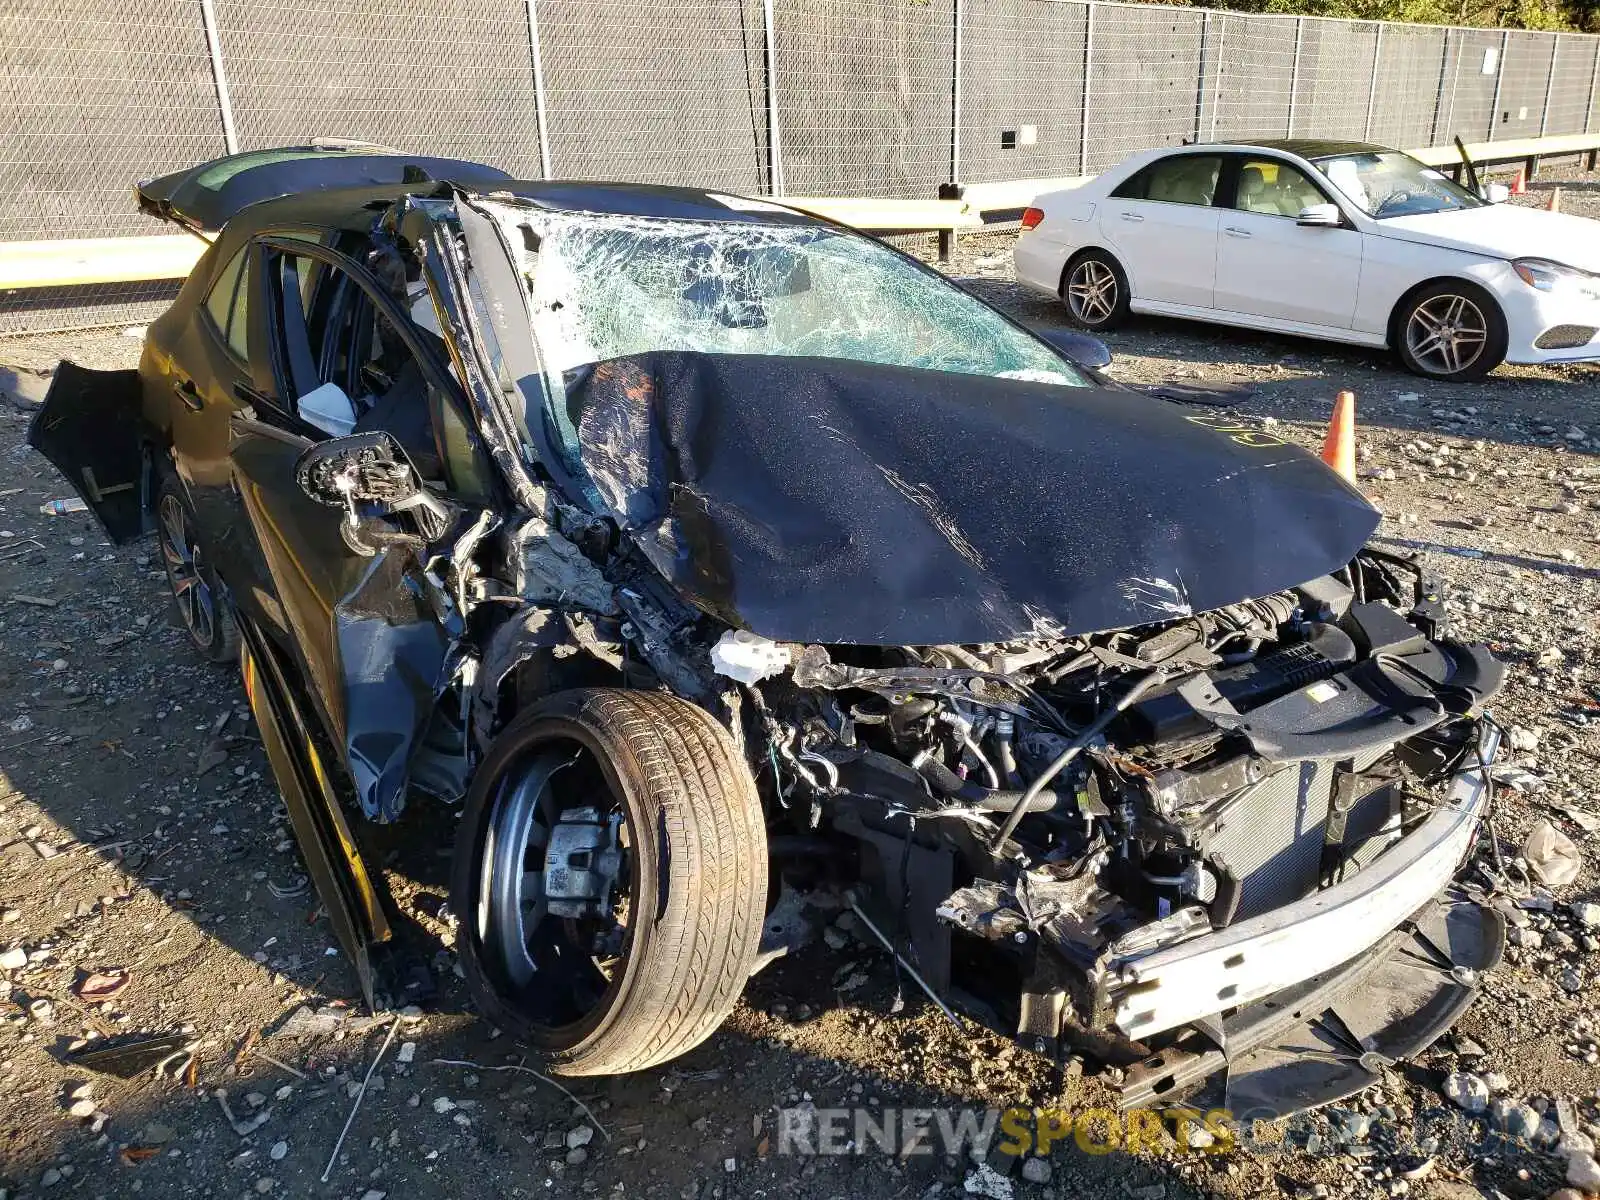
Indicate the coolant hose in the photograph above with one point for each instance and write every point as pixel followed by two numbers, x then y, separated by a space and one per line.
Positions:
pixel 947 783
pixel 1074 748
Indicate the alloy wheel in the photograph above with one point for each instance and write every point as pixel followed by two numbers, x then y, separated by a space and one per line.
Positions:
pixel 181 553
pixel 1446 334
pixel 1092 292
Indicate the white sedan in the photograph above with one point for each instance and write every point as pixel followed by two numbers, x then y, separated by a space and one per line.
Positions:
pixel 1338 240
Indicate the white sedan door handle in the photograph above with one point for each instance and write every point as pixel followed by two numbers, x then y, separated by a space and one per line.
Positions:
pixel 1128 216
pixel 1232 231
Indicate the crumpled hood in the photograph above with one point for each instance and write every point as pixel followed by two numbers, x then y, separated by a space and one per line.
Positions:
pixel 824 500
pixel 1505 231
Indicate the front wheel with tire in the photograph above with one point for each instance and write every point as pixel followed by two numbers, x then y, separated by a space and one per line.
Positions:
pixel 202 604
pixel 1451 330
pixel 1094 288
pixel 610 878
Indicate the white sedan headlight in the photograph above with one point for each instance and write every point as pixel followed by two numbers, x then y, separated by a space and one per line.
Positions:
pixel 1546 276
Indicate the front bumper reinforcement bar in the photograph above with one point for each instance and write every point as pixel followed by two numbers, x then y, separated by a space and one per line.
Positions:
pixel 1162 989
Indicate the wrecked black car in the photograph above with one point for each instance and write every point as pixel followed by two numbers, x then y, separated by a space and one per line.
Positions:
pixel 706 553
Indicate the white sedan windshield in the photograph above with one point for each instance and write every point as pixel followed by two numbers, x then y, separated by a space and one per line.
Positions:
pixel 1391 184
pixel 607 286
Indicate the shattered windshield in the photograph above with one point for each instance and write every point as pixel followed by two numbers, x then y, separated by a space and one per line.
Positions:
pixel 604 286
pixel 1391 184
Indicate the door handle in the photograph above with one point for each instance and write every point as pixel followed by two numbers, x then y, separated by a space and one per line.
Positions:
pixel 1128 216
pixel 1232 231
pixel 189 394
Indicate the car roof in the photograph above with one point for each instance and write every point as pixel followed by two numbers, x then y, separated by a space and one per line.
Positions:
pixel 1310 147
pixel 353 208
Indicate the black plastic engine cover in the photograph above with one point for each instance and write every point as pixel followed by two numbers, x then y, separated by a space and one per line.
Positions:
pixel 1169 717
pixel 1368 706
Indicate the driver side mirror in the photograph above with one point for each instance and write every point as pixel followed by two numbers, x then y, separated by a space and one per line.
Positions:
pixel 1496 193
pixel 1078 348
pixel 371 478
pixel 1320 216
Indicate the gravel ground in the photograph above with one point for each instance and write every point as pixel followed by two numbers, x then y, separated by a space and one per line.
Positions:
pixel 140 832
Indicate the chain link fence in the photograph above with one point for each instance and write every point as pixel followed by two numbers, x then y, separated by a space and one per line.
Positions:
pixel 804 97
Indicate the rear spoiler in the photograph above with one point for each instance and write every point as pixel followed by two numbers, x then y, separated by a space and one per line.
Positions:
pixel 203 198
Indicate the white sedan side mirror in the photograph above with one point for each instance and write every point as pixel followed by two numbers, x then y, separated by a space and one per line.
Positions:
pixel 1497 193
pixel 1320 216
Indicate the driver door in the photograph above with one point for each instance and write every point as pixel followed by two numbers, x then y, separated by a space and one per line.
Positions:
pixel 1270 266
pixel 365 630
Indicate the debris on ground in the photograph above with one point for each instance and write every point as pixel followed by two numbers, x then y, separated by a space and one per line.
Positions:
pixel 101 985
pixel 1551 855
pixel 128 1060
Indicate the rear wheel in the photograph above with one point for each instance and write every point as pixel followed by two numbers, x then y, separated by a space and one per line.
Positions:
pixel 201 603
pixel 1450 330
pixel 1094 288
pixel 610 876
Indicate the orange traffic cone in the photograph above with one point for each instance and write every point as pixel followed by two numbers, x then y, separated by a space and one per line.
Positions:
pixel 1555 201
pixel 1339 447
pixel 1519 185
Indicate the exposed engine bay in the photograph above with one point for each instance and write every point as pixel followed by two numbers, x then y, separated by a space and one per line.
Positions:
pixel 1029 820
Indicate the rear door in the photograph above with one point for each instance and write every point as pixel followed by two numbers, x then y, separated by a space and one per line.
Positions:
pixel 1162 225
pixel 196 361
pixel 1270 266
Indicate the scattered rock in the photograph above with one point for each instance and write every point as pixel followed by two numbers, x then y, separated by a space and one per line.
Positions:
pixel 1036 1170
pixel 1515 1119
pixel 986 1181
pixel 13 959
pixel 279 1151
pixel 579 1135
pixel 1527 938
pixel 443 1104
pixel 1467 1091
pixel 1583 1173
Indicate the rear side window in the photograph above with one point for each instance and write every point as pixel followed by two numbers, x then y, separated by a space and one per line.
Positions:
pixel 1183 179
pixel 227 302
